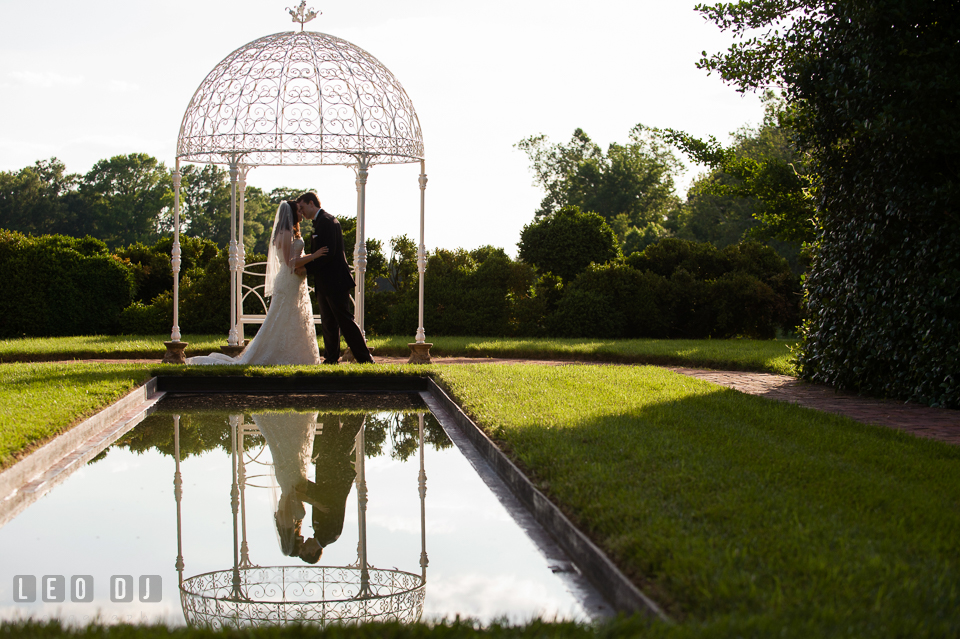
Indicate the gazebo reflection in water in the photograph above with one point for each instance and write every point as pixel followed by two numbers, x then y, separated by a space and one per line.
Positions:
pixel 248 594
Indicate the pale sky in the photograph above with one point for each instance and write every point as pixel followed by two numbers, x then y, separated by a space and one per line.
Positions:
pixel 87 80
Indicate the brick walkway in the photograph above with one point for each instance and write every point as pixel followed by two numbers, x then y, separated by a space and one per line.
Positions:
pixel 923 421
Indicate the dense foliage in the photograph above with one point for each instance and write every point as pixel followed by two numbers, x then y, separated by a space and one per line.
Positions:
pixel 680 289
pixel 881 121
pixel 59 285
pixel 566 242
pixel 762 178
pixel 479 292
pixel 631 185
pixel 874 99
pixel 128 199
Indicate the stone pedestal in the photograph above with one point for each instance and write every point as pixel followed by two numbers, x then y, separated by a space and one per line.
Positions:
pixel 234 351
pixel 419 353
pixel 174 354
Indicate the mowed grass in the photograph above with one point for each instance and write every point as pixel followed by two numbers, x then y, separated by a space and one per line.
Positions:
pixel 772 356
pixel 36 349
pixel 38 401
pixel 741 516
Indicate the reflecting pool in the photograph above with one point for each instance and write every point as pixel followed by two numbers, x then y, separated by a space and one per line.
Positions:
pixel 246 510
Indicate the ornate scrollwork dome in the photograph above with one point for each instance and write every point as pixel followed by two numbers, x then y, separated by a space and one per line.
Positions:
pixel 300 98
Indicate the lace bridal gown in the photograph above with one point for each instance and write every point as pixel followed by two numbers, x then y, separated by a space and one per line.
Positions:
pixel 287 335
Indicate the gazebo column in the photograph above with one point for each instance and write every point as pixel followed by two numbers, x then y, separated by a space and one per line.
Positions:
pixel 178 495
pixel 360 248
pixel 422 489
pixel 241 253
pixel 234 347
pixel 175 347
pixel 420 350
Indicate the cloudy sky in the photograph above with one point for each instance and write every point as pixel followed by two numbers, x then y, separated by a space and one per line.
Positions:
pixel 83 81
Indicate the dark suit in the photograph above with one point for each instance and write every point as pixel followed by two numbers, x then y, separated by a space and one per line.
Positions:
pixel 332 282
pixel 335 475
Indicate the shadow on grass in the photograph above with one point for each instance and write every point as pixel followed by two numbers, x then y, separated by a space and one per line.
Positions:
pixel 731 509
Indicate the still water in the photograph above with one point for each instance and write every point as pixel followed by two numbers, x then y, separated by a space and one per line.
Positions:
pixel 263 510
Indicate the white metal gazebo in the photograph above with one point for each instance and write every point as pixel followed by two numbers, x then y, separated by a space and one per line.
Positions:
pixel 293 99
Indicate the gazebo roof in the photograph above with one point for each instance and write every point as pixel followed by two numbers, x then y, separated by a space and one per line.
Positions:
pixel 300 98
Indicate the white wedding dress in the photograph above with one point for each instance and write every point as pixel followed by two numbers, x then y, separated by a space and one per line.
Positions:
pixel 287 335
pixel 290 440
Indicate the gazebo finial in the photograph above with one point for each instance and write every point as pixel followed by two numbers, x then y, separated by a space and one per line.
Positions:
pixel 302 14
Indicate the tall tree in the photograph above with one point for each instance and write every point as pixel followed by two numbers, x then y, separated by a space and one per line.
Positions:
pixel 205 202
pixel 759 186
pixel 634 180
pixel 32 199
pixel 876 95
pixel 567 242
pixel 127 199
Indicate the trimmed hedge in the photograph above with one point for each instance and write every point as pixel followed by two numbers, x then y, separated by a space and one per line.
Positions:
pixel 467 293
pixel 57 285
pixel 880 120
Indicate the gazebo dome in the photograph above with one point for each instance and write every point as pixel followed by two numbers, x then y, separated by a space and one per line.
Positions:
pixel 300 98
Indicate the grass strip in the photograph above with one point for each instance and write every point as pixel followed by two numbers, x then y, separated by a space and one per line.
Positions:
pixel 449 629
pixel 771 356
pixel 742 516
pixel 40 349
pixel 41 400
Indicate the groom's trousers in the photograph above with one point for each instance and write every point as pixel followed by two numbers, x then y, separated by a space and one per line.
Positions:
pixel 336 318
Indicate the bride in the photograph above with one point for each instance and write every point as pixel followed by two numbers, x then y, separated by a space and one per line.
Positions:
pixel 287 335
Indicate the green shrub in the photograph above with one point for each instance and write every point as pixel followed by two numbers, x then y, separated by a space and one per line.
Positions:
pixel 745 307
pixel 568 241
pixel 697 309
pixel 151 265
pixel 702 260
pixel 619 301
pixel 204 300
pixel 879 119
pixel 477 292
pixel 144 319
pixel 57 285
pixel 611 301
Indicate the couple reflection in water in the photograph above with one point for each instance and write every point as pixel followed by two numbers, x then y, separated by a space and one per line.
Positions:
pixel 296 442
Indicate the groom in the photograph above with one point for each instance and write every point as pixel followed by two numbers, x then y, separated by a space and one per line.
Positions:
pixel 332 282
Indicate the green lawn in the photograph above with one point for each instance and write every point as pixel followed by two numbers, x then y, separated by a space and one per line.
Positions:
pixel 38 349
pixel 771 356
pixel 40 400
pixel 740 516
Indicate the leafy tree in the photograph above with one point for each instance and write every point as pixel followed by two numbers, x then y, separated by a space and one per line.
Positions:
pixel 402 267
pixel 633 179
pixel 773 36
pixel 258 214
pixel 205 202
pixel 127 199
pixel 874 94
pixel 758 186
pixel 566 242
pixel 32 199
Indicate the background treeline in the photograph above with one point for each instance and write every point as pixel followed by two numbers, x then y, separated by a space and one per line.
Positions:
pixel 612 251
